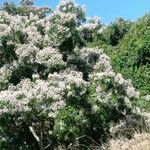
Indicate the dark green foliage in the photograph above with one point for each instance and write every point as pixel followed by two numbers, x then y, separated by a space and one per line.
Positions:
pixel 116 31
pixel 18 37
pixel 110 36
pixel 10 7
pixel 81 65
pixel 7 53
pixel 20 72
pixel 26 2
pixel 69 123
pixel 17 133
pixel 132 56
pixel 26 7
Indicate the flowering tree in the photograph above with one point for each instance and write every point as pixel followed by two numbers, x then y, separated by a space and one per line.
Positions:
pixel 54 90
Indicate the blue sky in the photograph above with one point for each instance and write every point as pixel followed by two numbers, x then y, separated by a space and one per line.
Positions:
pixel 107 10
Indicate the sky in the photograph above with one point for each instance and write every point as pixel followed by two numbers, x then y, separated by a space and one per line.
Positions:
pixel 107 10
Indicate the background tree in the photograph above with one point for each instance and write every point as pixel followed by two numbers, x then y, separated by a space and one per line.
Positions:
pixel 26 2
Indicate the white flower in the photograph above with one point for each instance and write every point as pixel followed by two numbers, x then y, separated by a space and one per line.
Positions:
pixel 50 57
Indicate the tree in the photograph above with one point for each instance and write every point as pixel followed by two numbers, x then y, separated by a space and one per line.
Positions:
pixel 116 31
pixel 27 2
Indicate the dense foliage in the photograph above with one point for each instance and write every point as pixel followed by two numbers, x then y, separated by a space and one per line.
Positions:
pixel 55 92
pixel 133 54
pixel 116 31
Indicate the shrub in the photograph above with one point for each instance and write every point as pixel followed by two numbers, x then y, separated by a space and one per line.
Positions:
pixel 132 54
pixel 54 91
pixel 116 31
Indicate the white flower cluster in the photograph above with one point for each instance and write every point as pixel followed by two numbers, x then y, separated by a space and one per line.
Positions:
pixel 70 78
pixel 60 26
pixel 27 51
pixel 48 94
pixel 86 52
pixel 147 97
pixel 91 24
pixel 103 71
pixel 65 2
pixel 27 25
pixel 10 101
pixel 130 90
pixel 91 55
pixel 126 85
pixel 26 91
pixel 4 29
pixel 41 39
pixel 5 73
pixel 49 56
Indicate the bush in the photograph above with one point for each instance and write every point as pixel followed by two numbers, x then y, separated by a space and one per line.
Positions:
pixel 132 54
pixel 116 31
pixel 54 90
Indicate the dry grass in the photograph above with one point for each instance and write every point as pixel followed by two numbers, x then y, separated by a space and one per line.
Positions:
pixel 140 141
